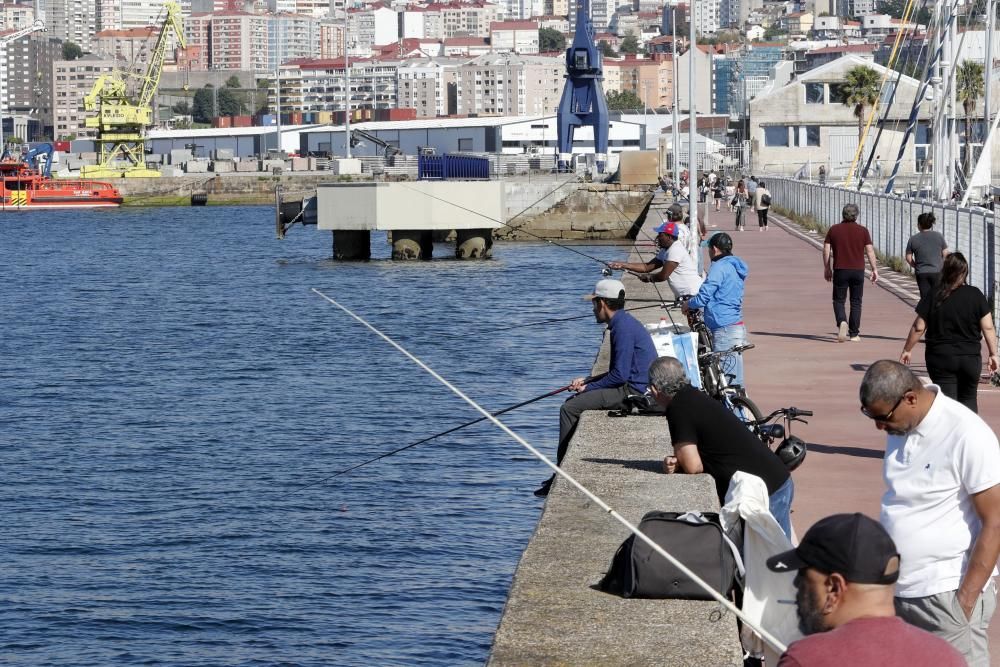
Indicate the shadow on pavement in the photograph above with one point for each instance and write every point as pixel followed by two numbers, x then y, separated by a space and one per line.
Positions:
pixel 644 464
pixel 830 338
pixel 861 452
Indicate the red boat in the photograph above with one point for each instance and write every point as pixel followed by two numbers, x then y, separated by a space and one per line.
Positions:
pixel 22 187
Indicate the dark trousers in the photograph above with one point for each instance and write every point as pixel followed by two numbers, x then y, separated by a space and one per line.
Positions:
pixel 612 398
pixel 845 280
pixel 957 375
pixel 762 217
pixel 926 282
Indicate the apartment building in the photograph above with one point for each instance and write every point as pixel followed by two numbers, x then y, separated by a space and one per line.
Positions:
pixel 319 85
pixel 72 21
pixel 707 15
pixel 72 80
pixel 239 41
pixel 651 80
pixel 131 47
pixel 370 26
pixel 558 7
pixel 514 37
pixel 26 78
pixel 15 17
pixel 454 19
pixel 507 84
pixel 197 32
pixel 331 38
pixel 291 36
pixel 428 85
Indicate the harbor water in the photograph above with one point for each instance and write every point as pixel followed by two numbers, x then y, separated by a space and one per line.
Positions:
pixel 169 383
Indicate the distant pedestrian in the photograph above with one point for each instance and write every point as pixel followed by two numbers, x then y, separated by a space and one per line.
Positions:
pixel 822 174
pixel 956 318
pixel 707 437
pixel 761 204
pixel 752 185
pixel 845 567
pixel 632 351
pixel 739 203
pixel 941 506
pixel 925 252
pixel 847 244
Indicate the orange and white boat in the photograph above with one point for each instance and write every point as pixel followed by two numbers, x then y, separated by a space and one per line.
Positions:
pixel 24 187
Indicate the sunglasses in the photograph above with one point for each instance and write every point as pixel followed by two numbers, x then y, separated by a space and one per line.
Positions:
pixel 887 416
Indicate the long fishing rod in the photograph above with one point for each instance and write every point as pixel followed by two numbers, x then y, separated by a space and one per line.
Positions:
pixel 721 599
pixel 432 437
pixel 556 320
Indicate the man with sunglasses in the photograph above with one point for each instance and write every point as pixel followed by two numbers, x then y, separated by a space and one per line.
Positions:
pixel 941 505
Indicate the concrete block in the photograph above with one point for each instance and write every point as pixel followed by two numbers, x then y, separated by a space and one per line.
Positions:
pixel 90 157
pixel 223 154
pixel 74 163
pixel 346 166
pixel 247 165
pixel 170 171
pixel 223 166
pixel 300 164
pixel 196 166
pixel 179 156
pixel 268 165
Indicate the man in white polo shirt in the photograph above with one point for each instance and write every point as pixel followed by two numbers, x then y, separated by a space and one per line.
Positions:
pixel 941 506
pixel 672 263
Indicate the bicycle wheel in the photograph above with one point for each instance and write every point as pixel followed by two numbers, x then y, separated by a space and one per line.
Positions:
pixel 747 411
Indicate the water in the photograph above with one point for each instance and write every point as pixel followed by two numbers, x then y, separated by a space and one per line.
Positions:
pixel 168 380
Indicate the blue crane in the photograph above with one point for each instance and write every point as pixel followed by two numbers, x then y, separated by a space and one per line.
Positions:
pixel 583 100
pixel 31 158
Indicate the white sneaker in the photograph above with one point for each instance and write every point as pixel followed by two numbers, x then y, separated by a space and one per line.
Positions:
pixel 855 339
pixel 842 332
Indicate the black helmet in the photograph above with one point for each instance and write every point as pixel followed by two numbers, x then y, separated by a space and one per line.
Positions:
pixel 792 452
pixel 722 241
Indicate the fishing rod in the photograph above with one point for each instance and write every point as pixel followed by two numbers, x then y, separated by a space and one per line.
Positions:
pixel 551 321
pixel 436 435
pixel 715 595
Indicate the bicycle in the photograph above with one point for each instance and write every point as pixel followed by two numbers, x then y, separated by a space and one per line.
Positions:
pixel 791 450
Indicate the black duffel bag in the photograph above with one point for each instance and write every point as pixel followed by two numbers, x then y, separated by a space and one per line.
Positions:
pixel 695 539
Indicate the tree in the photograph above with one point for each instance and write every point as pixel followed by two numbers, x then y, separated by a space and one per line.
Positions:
pixel 233 82
pixel 606 49
pixel 550 39
pixel 860 89
pixel 71 51
pixel 625 100
pixel 204 105
pixel 230 103
pixel 773 32
pixel 182 108
pixel 969 87
pixel 630 44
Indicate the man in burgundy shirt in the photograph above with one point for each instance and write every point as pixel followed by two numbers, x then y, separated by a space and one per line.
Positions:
pixel 848 243
pixel 846 566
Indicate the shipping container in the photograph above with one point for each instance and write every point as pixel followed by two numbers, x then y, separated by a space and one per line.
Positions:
pixel 61 146
pixel 242 121
pixel 222 121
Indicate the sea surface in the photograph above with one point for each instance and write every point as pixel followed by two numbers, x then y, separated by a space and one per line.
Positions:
pixel 174 400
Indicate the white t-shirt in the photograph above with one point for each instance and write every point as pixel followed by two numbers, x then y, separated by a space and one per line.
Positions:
pixel 930 475
pixel 684 280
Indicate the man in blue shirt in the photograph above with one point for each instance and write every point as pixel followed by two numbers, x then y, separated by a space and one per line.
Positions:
pixel 721 297
pixel 632 351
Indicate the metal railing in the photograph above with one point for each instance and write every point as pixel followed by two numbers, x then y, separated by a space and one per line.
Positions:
pixel 891 221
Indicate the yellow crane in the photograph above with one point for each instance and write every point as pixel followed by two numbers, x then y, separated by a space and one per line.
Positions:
pixel 122 119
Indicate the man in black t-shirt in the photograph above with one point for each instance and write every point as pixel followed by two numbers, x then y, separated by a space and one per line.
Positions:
pixel 708 438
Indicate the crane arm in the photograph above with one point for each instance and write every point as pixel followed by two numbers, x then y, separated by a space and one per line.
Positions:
pixel 37 26
pixel 151 79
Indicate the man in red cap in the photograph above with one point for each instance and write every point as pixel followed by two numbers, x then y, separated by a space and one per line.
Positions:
pixel 672 263
pixel 846 567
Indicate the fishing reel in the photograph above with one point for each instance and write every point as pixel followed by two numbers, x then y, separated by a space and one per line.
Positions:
pixel 607 272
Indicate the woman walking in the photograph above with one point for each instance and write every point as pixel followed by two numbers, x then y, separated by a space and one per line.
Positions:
pixel 739 202
pixel 925 252
pixel 760 206
pixel 718 192
pixel 956 317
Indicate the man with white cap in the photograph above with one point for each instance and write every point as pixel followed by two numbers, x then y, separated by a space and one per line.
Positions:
pixel 632 351
pixel 672 263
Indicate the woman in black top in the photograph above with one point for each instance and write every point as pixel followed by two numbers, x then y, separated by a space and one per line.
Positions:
pixel 956 317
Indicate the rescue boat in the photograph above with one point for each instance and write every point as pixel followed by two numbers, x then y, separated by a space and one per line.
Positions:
pixel 22 186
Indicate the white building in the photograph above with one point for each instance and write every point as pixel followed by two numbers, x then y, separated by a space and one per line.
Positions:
pixel 72 21
pixel 514 37
pixel 707 16
pixel 319 85
pixel 423 84
pixel 505 85
pixel 291 36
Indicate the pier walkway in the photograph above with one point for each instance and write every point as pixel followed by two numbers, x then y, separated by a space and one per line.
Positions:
pixel 554 617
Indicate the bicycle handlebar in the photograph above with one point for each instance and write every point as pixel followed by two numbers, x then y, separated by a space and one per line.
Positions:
pixel 791 413
pixel 733 350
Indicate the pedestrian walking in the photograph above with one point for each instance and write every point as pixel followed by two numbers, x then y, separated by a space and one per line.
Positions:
pixel 845 568
pixel 956 317
pixel 847 244
pixel 941 506
pixel 822 174
pixel 739 203
pixel 925 252
pixel 761 204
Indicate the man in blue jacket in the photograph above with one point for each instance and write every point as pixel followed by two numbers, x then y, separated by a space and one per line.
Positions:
pixel 632 351
pixel 721 297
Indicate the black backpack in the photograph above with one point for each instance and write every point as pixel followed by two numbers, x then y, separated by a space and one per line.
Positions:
pixel 695 539
pixel 765 199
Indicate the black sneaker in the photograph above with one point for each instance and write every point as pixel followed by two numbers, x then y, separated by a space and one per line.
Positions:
pixel 543 490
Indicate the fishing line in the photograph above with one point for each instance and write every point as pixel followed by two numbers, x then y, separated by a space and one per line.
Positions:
pixel 715 595
pixel 557 320
pixel 429 438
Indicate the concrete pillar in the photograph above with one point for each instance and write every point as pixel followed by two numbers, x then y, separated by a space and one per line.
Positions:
pixel 474 244
pixel 412 244
pixel 352 245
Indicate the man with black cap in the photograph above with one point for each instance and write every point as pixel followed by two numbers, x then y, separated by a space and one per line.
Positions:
pixel 632 351
pixel 846 566
pixel 672 263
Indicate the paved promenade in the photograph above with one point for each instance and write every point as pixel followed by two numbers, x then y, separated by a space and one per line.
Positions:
pixel 798 361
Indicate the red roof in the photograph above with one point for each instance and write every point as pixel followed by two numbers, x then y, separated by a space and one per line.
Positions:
pixel 847 48
pixel 465 41
pixel 143 33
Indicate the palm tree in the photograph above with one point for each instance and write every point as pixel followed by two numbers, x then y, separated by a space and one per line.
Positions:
pixel 969 86
pixel 859 90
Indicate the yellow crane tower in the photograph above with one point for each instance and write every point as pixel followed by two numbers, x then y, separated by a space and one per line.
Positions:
pixel 122 119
